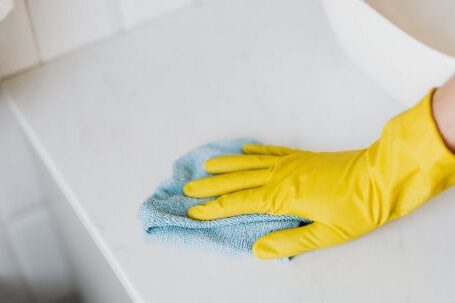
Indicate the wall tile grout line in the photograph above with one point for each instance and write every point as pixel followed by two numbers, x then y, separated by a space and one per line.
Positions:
pixel 28 235
pixel 118 18
pixel 23 213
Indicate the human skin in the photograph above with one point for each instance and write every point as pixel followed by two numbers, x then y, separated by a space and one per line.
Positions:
pixel 444 112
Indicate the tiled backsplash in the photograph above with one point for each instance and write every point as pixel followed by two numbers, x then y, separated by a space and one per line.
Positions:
pixel 134 12
pixel 33 267
pixel 40 30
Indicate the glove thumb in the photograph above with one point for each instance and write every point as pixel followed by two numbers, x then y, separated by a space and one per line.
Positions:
pixel 290 242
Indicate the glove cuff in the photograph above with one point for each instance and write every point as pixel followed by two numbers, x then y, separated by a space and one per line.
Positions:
pixel 418 131
pixel 411 162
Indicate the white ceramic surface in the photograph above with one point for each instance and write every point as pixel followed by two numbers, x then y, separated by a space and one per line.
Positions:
pixel 136 12
pixel 109 121
pixel 17 169
pixel 94 279
pixel 401 64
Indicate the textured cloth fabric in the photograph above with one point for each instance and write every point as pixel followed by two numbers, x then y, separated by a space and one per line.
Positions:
pixel 164 214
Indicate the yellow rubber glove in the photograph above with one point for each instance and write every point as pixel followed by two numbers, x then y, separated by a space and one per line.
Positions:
pixel 345 194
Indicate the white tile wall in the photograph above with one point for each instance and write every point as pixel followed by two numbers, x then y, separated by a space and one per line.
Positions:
pixel 40 30
pixel 17 47
pixel 37 250
pixel 63 25
pixel 33 267
pixel 12 286
pixel 135 12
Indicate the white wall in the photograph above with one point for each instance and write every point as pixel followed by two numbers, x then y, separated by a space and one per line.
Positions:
pixel 33 267
pixel 39 30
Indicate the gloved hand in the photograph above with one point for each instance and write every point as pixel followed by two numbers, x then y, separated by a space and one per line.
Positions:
pixel 345 194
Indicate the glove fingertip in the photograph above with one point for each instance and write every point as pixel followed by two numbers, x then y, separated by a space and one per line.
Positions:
pixel 197 212
pixel 189 190
pixel 250 148
pixel 211 166
pixel 262 249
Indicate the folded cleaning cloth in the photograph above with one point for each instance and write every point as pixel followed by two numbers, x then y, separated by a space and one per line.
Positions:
pixel 164 214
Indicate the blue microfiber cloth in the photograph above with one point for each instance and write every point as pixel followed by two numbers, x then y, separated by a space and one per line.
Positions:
pixel 164 214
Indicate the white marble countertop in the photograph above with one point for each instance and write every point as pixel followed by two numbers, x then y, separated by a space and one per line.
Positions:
pixel 111 118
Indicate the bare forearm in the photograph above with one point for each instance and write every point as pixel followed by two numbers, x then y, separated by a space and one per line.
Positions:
pixel 444 112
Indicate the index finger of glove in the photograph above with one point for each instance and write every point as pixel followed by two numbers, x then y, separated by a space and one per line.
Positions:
pixel 272 150
pixel 227 164
pixel 225 183
pixel 234 204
